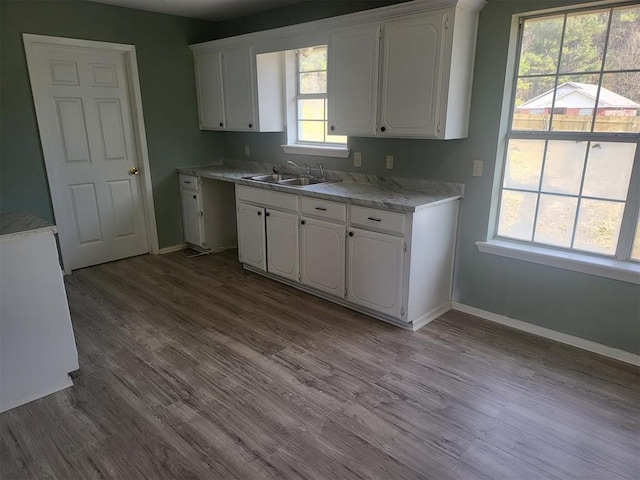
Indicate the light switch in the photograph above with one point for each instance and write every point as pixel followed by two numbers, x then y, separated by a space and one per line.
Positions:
pixel 389 162
pixel 357 159
pixel 247 151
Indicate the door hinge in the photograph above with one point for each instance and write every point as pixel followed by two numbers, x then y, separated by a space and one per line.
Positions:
pixel 404 247
pixel 345 293
pixel 201 214
pixel 379 33
pixel 402 312
pixel 446 22
pixel 438 127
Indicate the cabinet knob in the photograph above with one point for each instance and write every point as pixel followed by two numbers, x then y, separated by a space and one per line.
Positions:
pixel 382 129
pixel 302 222
pixel 251 125
pixel 267 214
pixel 351 234
pixel 194 197
pixel 221 124
pixel 332 128
pixel 259 213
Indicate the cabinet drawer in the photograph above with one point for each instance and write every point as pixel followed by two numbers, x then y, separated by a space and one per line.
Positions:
pixel 379 219
pixel 324 209
pixel 268 198
pixel 189 182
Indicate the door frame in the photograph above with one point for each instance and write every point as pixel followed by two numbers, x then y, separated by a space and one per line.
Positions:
pixel 140 135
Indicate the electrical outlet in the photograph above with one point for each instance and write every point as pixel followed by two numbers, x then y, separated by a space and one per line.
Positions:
pixel 247 151
pixel 357 159
pixel 477 168
pixel 389 162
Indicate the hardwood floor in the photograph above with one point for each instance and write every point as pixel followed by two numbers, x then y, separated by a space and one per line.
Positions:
pixel 195 368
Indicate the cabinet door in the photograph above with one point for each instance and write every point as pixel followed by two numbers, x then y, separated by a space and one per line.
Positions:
pixel 191 217
pixel 412 73
pixel 238 89
pixel 209 89
pixel 282 244
pixel 251 236
pixel 323 256
pixel 353 81
pixel 375 271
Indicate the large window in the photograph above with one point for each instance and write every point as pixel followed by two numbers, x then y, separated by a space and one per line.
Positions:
pixel 311 89
pixel 571 176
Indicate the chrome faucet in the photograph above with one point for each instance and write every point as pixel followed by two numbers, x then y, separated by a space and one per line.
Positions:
pixel 321 171
pixel 307 168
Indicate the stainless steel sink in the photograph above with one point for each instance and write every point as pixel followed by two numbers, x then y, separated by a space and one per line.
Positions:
pixel 288 180
pixel 274 178
pixel 302 181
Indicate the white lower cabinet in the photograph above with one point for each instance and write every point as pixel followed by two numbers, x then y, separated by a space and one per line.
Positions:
pixel 322 256
pixel 251 236
pixel 376 271
pixel 282 244
pixel 192 221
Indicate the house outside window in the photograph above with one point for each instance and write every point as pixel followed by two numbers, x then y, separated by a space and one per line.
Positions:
pixel 571 177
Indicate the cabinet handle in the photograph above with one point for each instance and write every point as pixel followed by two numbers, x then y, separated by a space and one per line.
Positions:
pixel 374 219
pixel 351 234
pixel 195 197
pixel 267 214
pixel 332 128
pixel 322 209
pixel 259 213
pixel 382 129
pixel 302 222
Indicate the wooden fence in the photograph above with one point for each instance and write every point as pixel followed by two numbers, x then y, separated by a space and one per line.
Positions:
pixel 579 123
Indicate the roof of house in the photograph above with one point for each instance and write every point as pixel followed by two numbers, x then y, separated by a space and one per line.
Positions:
pixel 607 97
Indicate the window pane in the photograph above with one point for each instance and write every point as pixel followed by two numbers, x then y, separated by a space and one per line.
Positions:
pixel 524 164
pixel 311 109
pixel 583 44
pixel 598 226
pixel 313 58
pixel 635 253
pixel 517 210
pixel 609 170
pixel 574 103
pixel 534 98
pixel 619 103
pixel 541 45
pixel 556 216
pixel 311 131
pixel 623 51
pixel 563 167
pixel 314 82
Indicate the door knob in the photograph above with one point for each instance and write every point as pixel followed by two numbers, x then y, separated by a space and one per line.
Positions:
pixel 134 171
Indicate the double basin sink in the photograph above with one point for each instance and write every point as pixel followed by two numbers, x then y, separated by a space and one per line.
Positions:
pixel 288 180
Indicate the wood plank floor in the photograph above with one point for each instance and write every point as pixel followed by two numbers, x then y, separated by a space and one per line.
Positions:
pixel 197 369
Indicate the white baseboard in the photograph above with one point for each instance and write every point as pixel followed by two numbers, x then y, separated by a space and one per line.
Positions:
pixel 578 342
pixel 429 317
pixel 173 248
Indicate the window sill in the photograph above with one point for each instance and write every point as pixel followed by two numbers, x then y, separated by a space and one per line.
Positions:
pixel 602 267
pixel 319 151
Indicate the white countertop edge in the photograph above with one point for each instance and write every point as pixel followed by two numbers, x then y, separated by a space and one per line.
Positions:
pixel 578 262
pixel 52 228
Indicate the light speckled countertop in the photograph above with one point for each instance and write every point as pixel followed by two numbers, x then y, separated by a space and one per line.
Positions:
pixel 393 193
pixel 20 223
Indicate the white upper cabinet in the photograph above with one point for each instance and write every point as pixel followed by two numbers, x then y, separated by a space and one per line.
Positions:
pixel 237 73
pixel 209 90
pixel 238 91
pixel 412 75
pixel 352 87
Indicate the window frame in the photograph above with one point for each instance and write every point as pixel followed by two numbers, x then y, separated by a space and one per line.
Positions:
pixel 631 203
pixel 294 145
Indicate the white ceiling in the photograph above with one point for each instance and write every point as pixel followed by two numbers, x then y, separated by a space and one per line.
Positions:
pixel 213 10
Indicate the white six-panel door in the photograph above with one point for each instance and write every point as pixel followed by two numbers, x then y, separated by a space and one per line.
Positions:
pixel 251 236
pixel 83 102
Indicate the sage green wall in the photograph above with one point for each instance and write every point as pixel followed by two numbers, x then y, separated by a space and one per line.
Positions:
pixel 168 94
pixel 598 309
